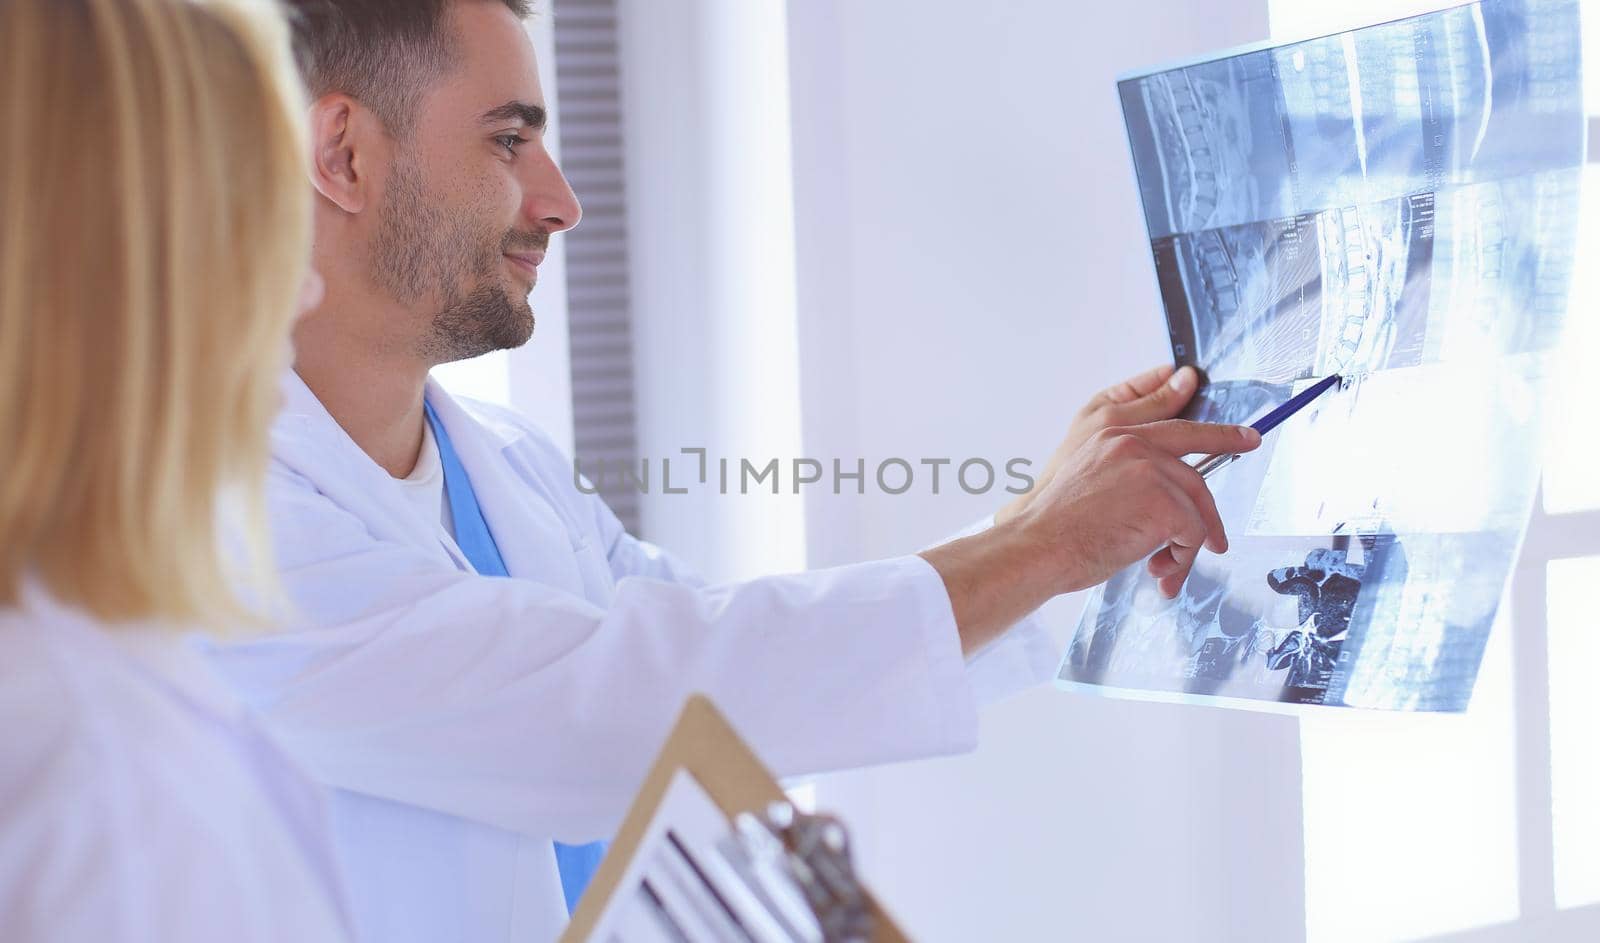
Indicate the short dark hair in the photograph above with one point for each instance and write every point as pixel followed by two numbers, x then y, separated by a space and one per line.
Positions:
pixel 383 53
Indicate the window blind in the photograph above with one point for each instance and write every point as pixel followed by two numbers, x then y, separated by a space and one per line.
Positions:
pixel 601 336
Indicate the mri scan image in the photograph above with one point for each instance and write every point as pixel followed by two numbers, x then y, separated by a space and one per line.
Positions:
pixel 1397 205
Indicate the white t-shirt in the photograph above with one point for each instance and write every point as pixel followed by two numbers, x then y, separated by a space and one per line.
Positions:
pixel 424 487
pixel 140 800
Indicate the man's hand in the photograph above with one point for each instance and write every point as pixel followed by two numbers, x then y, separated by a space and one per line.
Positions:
pixel 1156 394
pixel 1126 494
pixel 1122 496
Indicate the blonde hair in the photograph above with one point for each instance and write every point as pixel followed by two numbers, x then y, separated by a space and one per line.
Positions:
pixel 154 234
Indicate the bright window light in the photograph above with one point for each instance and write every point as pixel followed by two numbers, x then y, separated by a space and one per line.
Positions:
pixel 752 227
pixel 1574 750
pixel 1411 819
pixel 1572 452
pixel 486 378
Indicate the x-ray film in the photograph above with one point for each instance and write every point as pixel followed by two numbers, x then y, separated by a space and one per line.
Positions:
pixel 1397 205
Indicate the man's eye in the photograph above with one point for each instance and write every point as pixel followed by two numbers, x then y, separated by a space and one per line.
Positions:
pixel 511 141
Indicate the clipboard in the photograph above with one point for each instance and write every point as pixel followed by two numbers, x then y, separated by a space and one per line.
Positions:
pixel 704 746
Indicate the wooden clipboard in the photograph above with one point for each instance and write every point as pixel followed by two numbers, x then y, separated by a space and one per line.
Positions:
pixel 703 744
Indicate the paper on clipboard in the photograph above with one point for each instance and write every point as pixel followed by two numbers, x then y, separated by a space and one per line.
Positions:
pixel 684 867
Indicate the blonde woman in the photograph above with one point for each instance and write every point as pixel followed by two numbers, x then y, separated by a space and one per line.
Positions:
pixel 154 232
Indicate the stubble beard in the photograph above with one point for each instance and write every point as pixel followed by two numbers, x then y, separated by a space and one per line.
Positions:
pixel 419 252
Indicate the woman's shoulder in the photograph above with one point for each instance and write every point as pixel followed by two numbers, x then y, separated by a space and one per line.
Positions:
pixel 80 716
pixel 75 771
pixel 113 759
pixel 56 693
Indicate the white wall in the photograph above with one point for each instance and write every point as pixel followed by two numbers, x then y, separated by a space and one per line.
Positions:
pixel 972 267
pixel 710 214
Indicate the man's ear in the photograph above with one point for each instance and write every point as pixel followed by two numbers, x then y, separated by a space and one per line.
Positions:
pixel 340 138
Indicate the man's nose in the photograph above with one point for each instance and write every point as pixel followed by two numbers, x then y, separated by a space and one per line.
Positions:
pixel 550 202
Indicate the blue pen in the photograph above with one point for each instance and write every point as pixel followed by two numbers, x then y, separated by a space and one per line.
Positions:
pixel 1211 463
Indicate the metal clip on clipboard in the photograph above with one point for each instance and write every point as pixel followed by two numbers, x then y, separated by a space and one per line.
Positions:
pixel 799 865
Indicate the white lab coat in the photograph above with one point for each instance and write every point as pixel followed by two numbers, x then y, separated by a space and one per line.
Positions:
pixel 139 801
pixel 467 721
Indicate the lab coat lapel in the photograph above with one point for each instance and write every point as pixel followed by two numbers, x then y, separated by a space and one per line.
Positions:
pixel 307 439
pixel 534 542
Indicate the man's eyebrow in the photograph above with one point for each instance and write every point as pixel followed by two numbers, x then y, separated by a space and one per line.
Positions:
pixel 531 115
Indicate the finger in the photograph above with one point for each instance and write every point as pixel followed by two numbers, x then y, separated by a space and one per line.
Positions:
pixel 1139 386
pixel 1164 568
pixel 1162 564
pixel 1163 401
pixel 1185 524
pixel 1188 529
pixel 1179 437
pixel 1171 567
pixel 1185 477
pixel 1170 573
pixel 1184 559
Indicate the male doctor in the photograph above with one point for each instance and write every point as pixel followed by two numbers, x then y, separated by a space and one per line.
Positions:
pixel 485 661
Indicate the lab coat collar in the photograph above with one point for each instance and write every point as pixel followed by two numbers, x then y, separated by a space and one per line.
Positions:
pixel 310 442
pixel 302 407
pixel 304 412
pixel 497 426
pixel 485 438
